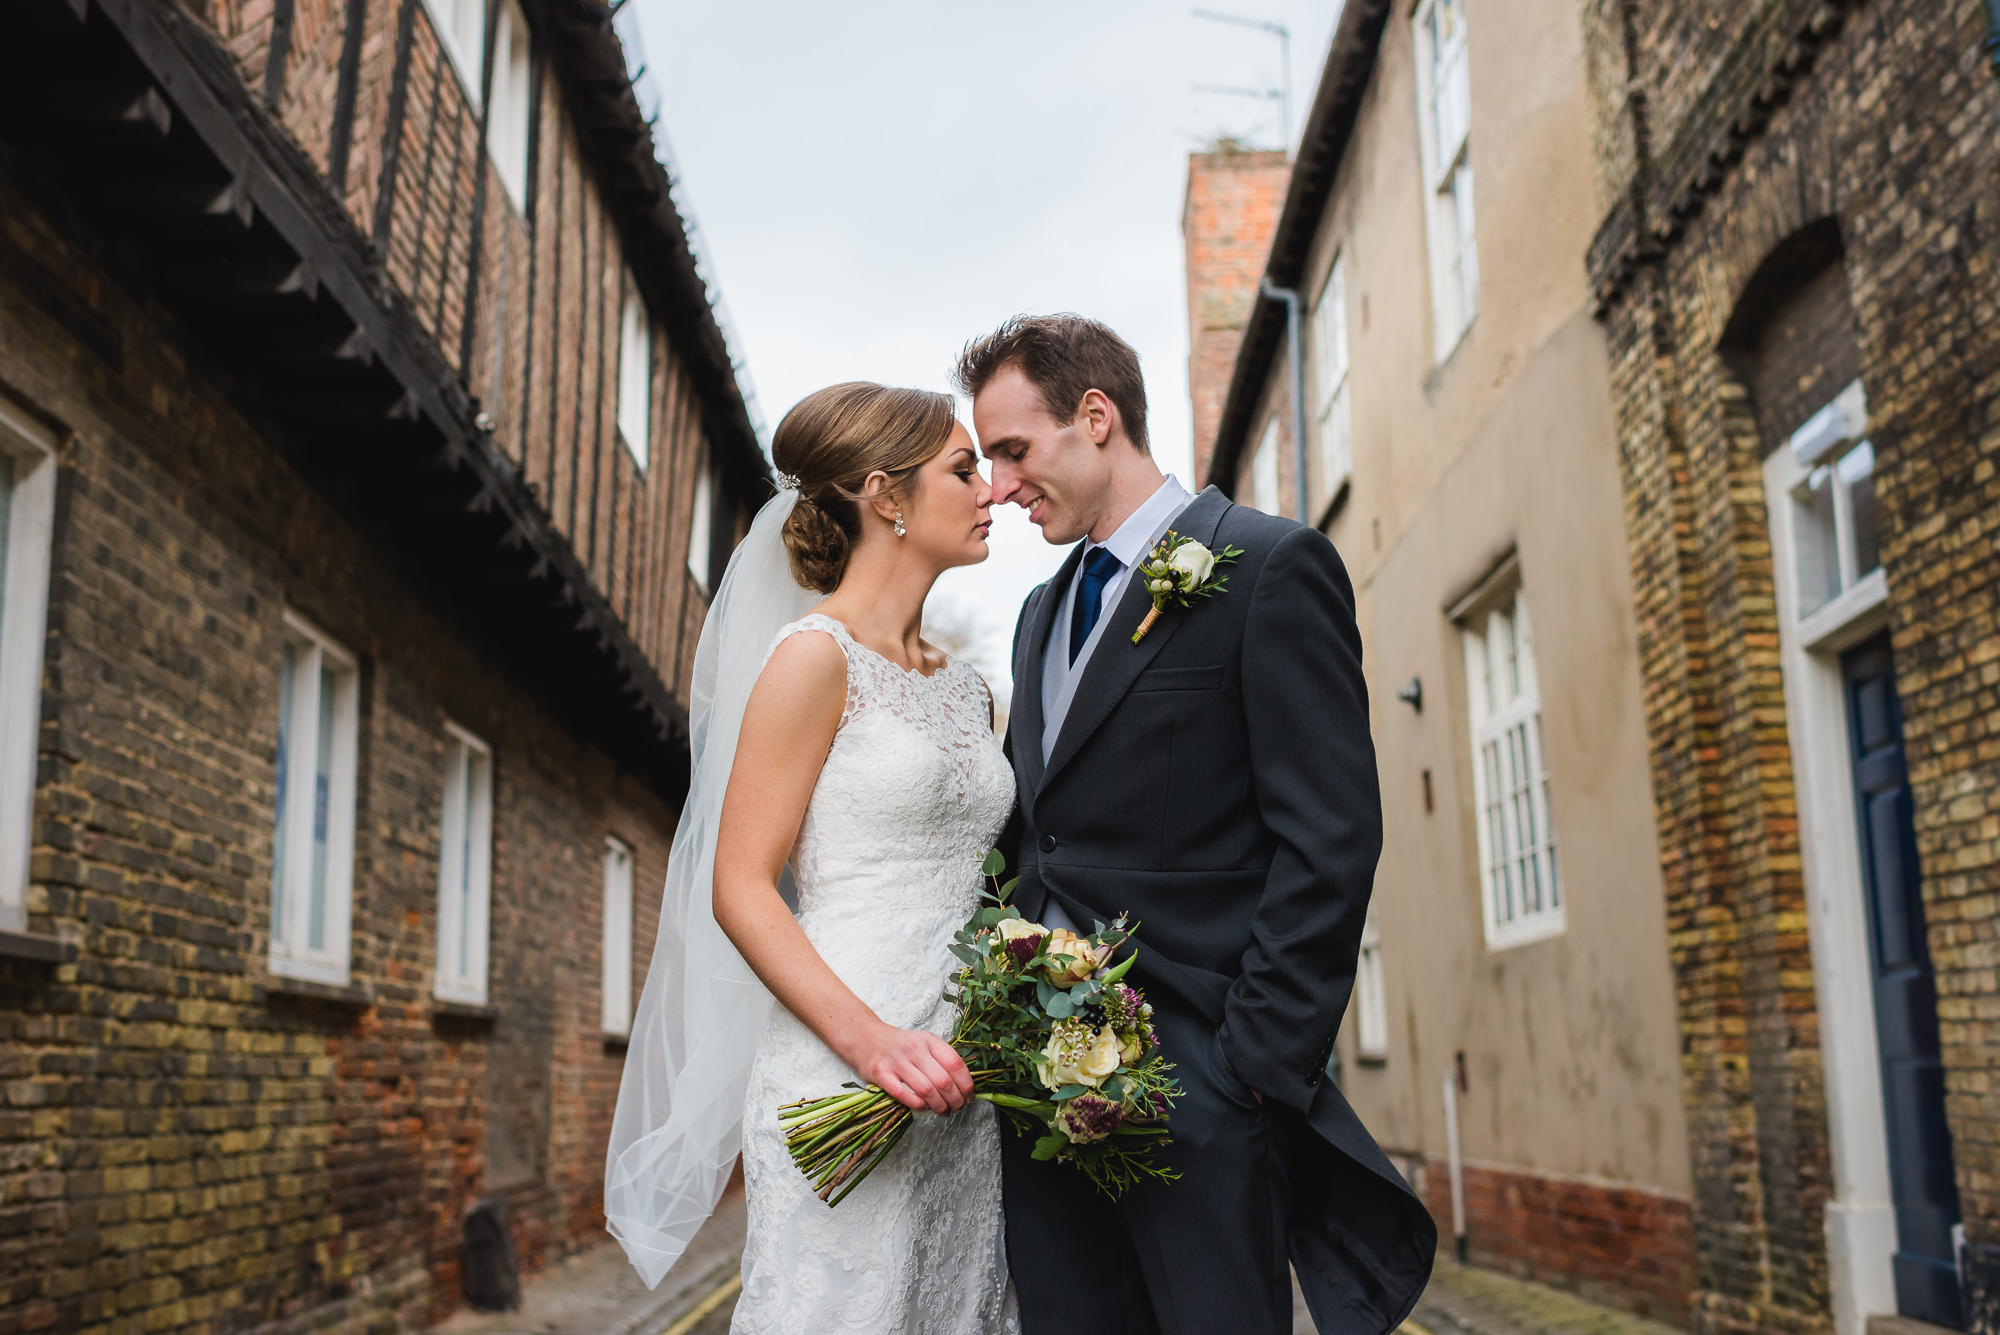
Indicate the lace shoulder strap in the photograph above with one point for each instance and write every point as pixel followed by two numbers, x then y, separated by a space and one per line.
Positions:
pixel 839 635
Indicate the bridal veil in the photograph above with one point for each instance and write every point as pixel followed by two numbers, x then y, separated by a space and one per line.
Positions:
pixel 679 1124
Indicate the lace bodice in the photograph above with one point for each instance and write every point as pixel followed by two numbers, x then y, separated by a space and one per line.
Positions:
pixel 913 792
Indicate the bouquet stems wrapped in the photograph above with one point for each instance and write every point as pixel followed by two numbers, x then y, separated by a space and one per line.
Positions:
pixel 1052 1036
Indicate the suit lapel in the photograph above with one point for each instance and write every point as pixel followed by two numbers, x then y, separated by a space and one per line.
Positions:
pixel 1116 662
pixel 1028 704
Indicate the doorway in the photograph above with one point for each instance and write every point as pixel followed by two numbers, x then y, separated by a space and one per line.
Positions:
pixel 1922 1186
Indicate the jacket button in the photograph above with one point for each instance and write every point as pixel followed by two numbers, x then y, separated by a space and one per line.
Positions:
pixel 1313 1076
pixel 1048 844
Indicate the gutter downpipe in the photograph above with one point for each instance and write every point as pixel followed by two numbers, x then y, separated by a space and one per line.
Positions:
pixel 1295 355
pixel 1993 36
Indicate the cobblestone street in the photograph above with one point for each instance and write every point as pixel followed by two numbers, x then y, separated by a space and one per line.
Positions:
pixel 597 1293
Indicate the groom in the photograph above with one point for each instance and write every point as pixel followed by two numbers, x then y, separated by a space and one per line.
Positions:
pixel 1217 780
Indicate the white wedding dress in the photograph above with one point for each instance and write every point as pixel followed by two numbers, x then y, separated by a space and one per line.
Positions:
pixel 913 793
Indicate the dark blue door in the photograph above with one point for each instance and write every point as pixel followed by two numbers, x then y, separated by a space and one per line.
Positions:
pixel 1920 1168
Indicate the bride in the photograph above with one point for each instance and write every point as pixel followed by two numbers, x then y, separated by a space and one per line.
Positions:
pixel 830 736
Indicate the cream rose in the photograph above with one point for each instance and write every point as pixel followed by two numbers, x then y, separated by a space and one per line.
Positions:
pixel 1194 562
pixel 1012 929
pixel 1130 1048
pixel 1084 958
pixel 1068 1052
pixel 1101 1059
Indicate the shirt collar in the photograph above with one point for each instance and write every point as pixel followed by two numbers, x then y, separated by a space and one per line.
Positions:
pixel 1134 537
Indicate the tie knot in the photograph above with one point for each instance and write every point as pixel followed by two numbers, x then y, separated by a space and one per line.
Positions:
pixel 1100 563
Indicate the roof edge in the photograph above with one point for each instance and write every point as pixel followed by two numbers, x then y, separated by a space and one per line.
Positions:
pixel 1329 128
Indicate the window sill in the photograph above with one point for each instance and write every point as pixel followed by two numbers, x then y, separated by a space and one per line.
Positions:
pixel 360 996
pixel 616 1042
pixel 36 946
pixel 1336 502
pixel 476 1011
pixel 1543 928
pixel 1374 1061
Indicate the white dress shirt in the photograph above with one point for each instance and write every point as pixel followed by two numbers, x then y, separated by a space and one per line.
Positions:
pixel 1135 537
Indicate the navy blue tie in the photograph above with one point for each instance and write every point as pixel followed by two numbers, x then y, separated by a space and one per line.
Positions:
pixel 1099 566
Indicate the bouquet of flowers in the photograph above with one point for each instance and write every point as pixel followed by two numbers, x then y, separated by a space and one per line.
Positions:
pixel 1053 1037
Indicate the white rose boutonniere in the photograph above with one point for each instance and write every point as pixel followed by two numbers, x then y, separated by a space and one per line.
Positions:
pixel 1180 572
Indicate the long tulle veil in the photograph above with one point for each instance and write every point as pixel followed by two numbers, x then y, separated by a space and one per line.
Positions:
pixel 679 1124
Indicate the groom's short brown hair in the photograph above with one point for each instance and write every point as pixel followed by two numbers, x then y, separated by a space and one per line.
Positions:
pixel 1064 357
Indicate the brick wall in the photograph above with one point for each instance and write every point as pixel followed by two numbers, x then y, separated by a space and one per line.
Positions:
pixel 1731 130
pixel 184 1146
pixel 1614 1243
pixel 1231 210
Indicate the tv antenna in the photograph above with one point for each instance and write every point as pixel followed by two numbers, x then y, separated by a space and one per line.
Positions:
pixel 1282 94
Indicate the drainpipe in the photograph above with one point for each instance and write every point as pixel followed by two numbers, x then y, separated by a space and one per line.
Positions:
pixel 1294 346
pixel 1993 36
pixel 1455 1162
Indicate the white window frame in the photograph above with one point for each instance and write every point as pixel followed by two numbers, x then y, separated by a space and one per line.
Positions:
pixel 1520 872
pixel 1371 998
pixel 1444 115
pixel 30 448
pixel 1264 486
pixel 465 868
pixel 701 526
pixel 513 89
pixel 461 30
pixel 292 952
pixel 1860 1214
pixel 1336 453
pixel 617 990
pixel 635 375
pixel 1822 451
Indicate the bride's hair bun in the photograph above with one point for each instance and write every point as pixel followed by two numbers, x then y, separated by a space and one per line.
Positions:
pixel 831 441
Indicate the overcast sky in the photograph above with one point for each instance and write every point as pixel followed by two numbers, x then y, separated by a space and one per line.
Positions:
pixel 878 181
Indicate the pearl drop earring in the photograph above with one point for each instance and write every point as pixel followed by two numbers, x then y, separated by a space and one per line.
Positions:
pixel 900 530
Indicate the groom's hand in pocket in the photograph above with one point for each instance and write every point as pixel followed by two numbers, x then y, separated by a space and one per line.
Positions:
pixel 917 1069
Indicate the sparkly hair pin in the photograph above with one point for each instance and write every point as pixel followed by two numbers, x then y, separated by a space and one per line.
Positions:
pixel 787 482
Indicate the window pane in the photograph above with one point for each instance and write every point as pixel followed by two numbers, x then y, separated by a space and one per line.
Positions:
pixel 1857 471
pixel 698 527
pixel 287 672
pixel 1450 93
pixel 507 127
pixel 635 365
pixel 617 990
pixel 6 522
pixel 322 805
pixel 1814 542
pixel 1264 470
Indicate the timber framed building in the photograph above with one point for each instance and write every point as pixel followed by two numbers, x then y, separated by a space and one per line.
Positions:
pixel 367 443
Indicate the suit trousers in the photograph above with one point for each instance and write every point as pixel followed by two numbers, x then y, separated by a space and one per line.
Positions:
pixel 1205 1253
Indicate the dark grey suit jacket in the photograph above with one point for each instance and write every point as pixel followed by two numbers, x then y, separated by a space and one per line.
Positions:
pixel 1217 780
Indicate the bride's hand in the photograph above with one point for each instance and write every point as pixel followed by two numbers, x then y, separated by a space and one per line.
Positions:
pixel 916 1068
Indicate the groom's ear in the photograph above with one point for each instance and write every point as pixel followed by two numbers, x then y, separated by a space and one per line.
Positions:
pixel 1099 416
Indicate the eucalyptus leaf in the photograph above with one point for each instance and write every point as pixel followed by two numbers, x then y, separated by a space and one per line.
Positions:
pixel 965 953
pixel 1068 1092
pixel 1048 1147
pixel 995 863
pixel 1059 1006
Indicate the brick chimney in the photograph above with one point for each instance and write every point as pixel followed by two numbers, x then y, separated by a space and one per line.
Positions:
pixel 1233 199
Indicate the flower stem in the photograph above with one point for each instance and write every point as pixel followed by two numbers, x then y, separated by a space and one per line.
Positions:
pixel 1147 624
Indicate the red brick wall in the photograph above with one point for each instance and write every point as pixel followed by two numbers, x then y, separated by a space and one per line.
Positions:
pixel 1610 1242
pixel 1231 211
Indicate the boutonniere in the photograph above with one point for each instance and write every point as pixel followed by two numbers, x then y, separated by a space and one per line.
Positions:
pixel 1180 572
